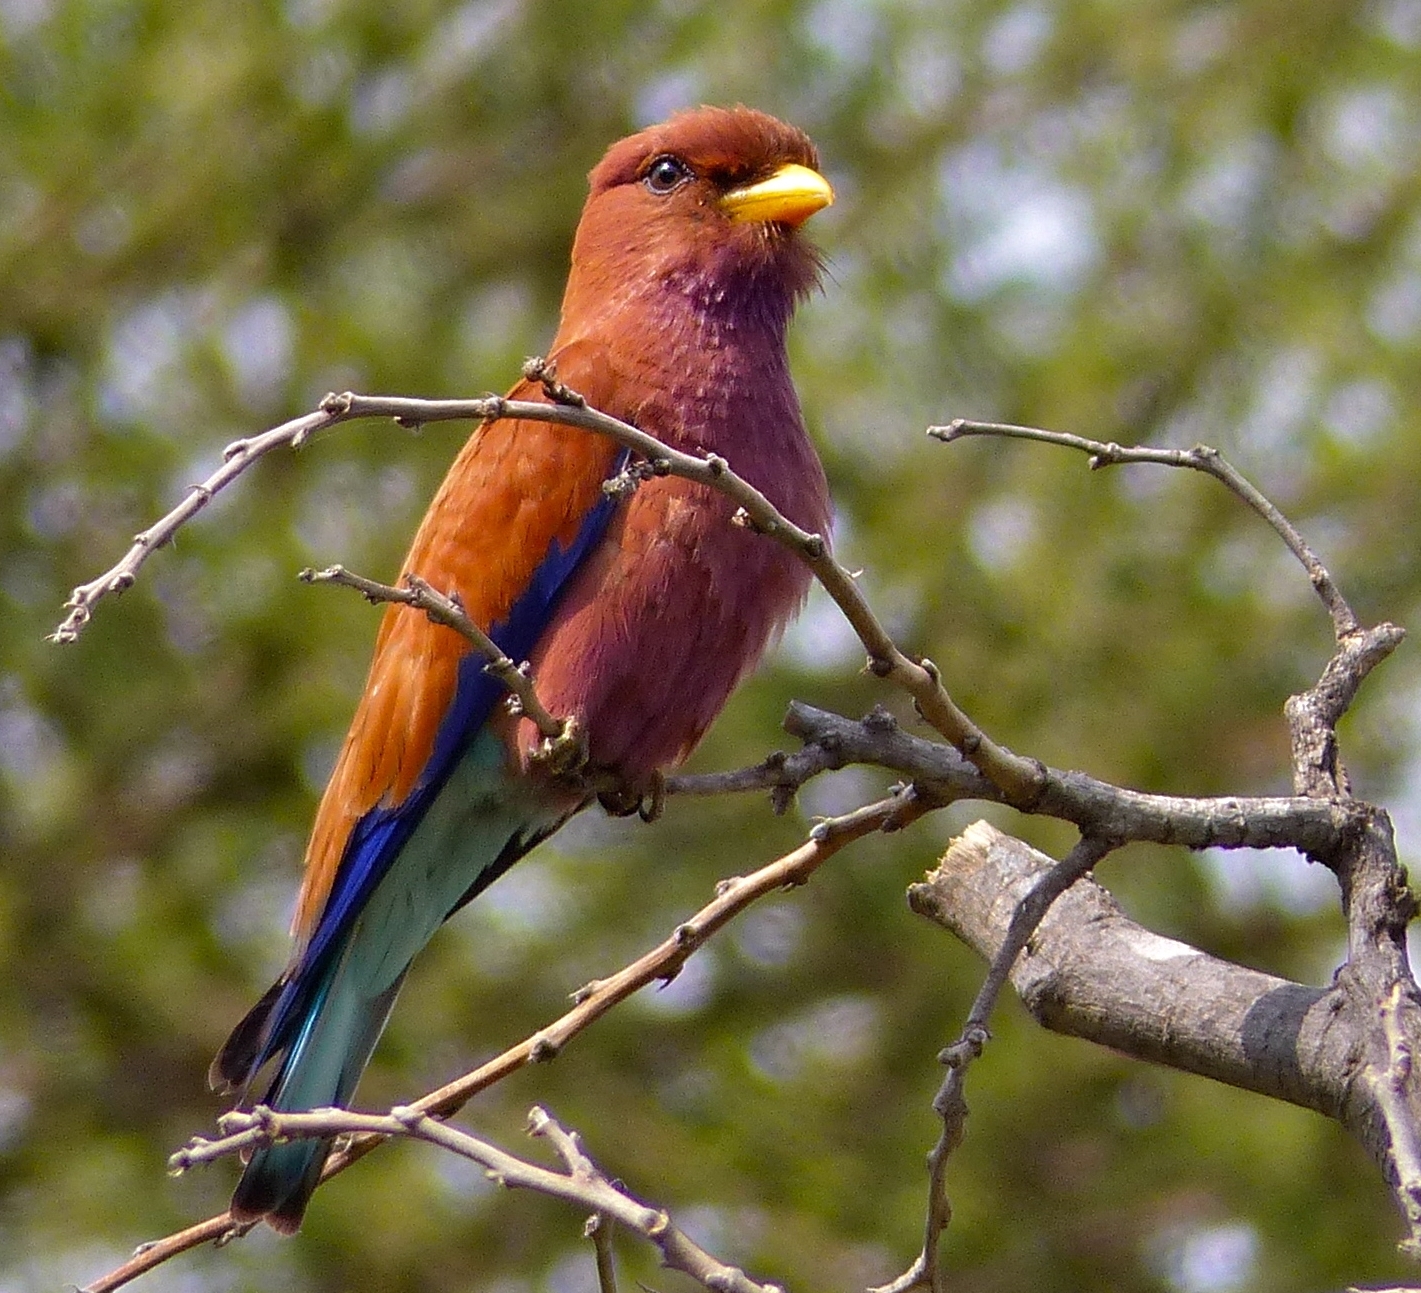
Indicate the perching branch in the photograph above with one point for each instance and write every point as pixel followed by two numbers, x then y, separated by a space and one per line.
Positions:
pixel 1316 827
pixel 781 774
pixel 1017 778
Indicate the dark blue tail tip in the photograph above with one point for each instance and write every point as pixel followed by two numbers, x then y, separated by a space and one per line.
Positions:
pixel 277 1185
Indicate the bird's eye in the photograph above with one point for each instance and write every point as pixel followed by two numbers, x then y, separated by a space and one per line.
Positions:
pixel 665 174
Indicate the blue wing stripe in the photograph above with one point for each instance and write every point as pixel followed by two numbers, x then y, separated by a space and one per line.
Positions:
pixel 380 835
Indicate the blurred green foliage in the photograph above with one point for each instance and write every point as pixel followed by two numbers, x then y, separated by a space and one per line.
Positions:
pixel 1158 221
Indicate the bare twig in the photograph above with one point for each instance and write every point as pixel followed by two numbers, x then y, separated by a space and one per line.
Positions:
pixel 950 1103
pixel 780 773
pixel 236 458
pixel 598 1229
pixel 583 1183
pixel 1200 458
pixel 446 610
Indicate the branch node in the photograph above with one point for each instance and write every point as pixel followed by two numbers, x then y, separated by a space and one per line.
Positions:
pixel 742 519
pixel 544 371
pixel 947 434
pixel 625 483
pixel 966 1048
pixel 781 798
pixel 880 720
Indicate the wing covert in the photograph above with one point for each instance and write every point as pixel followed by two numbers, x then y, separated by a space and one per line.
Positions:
pixel 516 514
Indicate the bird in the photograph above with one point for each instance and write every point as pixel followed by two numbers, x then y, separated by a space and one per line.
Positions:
pixel 637 611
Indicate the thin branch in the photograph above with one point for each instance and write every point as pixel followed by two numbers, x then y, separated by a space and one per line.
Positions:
pixel 950 1103
pixel 1200 458
pixel 593 1000
pixel 583 1183
pixel 237 457
pixel 580 1167
pixel 598 1229
pixel 1027 917
pixel 781 773
pixel 446 610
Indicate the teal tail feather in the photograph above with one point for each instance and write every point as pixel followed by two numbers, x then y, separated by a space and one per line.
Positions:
pixel 324 1017
pixel 319 1071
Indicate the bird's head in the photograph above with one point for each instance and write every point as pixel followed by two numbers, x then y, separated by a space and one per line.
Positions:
pixel 706 205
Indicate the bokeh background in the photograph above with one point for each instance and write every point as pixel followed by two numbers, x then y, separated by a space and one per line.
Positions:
pixel 1134 220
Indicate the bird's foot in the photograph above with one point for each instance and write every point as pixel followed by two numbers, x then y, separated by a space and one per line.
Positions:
pixel 646 801
pixel 563 755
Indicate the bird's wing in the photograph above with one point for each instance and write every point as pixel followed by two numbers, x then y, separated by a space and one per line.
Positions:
pixel 519 510
pixel 517 513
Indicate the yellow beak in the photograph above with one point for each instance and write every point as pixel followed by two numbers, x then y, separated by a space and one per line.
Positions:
pixel 790 196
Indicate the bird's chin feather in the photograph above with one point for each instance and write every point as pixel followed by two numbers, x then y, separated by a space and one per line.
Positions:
pixel 708 270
